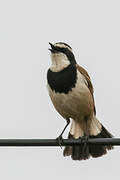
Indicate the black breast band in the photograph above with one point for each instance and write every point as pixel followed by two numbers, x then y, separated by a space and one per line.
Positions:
pixel 62 81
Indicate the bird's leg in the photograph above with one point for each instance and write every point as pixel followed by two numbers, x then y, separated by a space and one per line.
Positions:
pixel 59 138
pixel 85 145
pixel 68 121
pixel 85 138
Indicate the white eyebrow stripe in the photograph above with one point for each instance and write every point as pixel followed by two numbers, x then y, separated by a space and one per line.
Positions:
pixel 62 46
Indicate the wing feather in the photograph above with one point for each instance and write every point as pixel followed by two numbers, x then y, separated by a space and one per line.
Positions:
pixel 87 77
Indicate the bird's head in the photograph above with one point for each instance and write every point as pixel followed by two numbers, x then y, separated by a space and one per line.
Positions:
pixel 61 56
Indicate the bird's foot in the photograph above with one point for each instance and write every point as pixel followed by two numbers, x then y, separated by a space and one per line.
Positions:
pixel 59 140
pixel 85 150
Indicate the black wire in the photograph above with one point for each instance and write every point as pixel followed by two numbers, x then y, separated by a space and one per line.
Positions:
pixel 54 142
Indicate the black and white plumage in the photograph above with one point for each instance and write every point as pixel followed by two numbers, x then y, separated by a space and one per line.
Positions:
pixel 71 92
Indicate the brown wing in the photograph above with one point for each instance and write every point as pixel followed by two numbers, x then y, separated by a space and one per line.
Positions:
pixel 87 77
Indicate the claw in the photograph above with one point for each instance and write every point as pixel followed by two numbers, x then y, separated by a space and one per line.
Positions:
pixel 85 150
pixel 59 140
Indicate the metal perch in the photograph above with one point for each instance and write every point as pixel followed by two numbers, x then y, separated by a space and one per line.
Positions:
pixel 53 142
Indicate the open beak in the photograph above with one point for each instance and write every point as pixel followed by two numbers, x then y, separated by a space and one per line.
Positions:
pixel 53 48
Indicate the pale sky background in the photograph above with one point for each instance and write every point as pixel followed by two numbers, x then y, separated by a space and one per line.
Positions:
pixel 92 28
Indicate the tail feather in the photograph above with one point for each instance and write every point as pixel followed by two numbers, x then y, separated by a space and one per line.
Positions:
pixel 82 153
pixel 68 149
pixel 98 150
pixel 76 152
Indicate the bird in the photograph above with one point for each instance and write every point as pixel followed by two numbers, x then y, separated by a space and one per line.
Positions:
pixel 71 92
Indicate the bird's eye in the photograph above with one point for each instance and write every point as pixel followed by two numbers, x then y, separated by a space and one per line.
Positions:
pixel 63 49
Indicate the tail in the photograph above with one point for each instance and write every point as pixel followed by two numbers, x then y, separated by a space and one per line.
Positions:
pixel 97 130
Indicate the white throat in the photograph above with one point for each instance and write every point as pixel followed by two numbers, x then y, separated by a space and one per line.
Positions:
pixel 59 62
